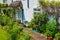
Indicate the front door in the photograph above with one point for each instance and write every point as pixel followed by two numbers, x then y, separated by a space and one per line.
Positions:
pixel 19 15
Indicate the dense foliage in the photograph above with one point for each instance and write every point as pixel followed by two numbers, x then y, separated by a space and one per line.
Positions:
pixel 51 7
pixel 57 35
pixel 44 24
pixel 50 3
pixel 11 29
pixel 39 22
pixel 3 35
pixel 51 27
pixel 3 5
pixel 25 36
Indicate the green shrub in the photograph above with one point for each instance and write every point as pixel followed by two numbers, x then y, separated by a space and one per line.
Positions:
pixel 10 26
pixel 3 5
pixel 57 35
pixel 3 20
pixel 39 22
pixel 25 36
pixel 3 35
pixel 51 26
pixel 48 33
pixel 14 30
pixel 43 28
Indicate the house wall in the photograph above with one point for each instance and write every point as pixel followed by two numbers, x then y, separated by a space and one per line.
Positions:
pixel 8 1
pixel 29 12
pixel 1 1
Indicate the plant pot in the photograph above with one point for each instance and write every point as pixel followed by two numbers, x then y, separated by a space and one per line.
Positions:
pixel 49 38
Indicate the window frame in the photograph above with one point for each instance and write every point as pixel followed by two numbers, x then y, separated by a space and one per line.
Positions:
pixel 4 1
pixel 28 3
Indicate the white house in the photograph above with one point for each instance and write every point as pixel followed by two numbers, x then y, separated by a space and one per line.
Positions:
pixel 28 7
pixel 6 1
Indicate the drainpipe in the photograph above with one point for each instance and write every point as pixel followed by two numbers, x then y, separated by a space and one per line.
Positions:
pixel 28 3
pixel 22 16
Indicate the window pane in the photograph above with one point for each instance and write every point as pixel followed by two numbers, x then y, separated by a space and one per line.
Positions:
pixel 28 3
pixel 4 1
pixel 59 20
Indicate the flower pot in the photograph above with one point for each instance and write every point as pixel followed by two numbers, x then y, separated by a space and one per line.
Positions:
pixel 49 38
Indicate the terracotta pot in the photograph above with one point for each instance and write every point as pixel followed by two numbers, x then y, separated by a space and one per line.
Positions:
pixel 49 38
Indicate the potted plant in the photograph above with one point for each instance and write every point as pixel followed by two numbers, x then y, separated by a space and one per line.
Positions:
pixel 57 36
pixel 49 35
pixel 51 28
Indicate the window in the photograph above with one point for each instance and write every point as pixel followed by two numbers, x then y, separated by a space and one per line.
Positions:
pixel 51 16
pixel 4 1
pixel 59 20
pixel 12 0
pixel 23 0
pixel 28 3
pixel 35 9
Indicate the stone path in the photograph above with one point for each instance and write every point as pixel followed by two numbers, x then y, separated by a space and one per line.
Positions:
pixel 36 35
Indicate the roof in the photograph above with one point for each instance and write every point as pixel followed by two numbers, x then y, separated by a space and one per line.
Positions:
pixel 16 4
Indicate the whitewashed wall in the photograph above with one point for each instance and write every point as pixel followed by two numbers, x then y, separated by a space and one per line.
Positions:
pixel 1 1
pixel 29 12
pixel 8 1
